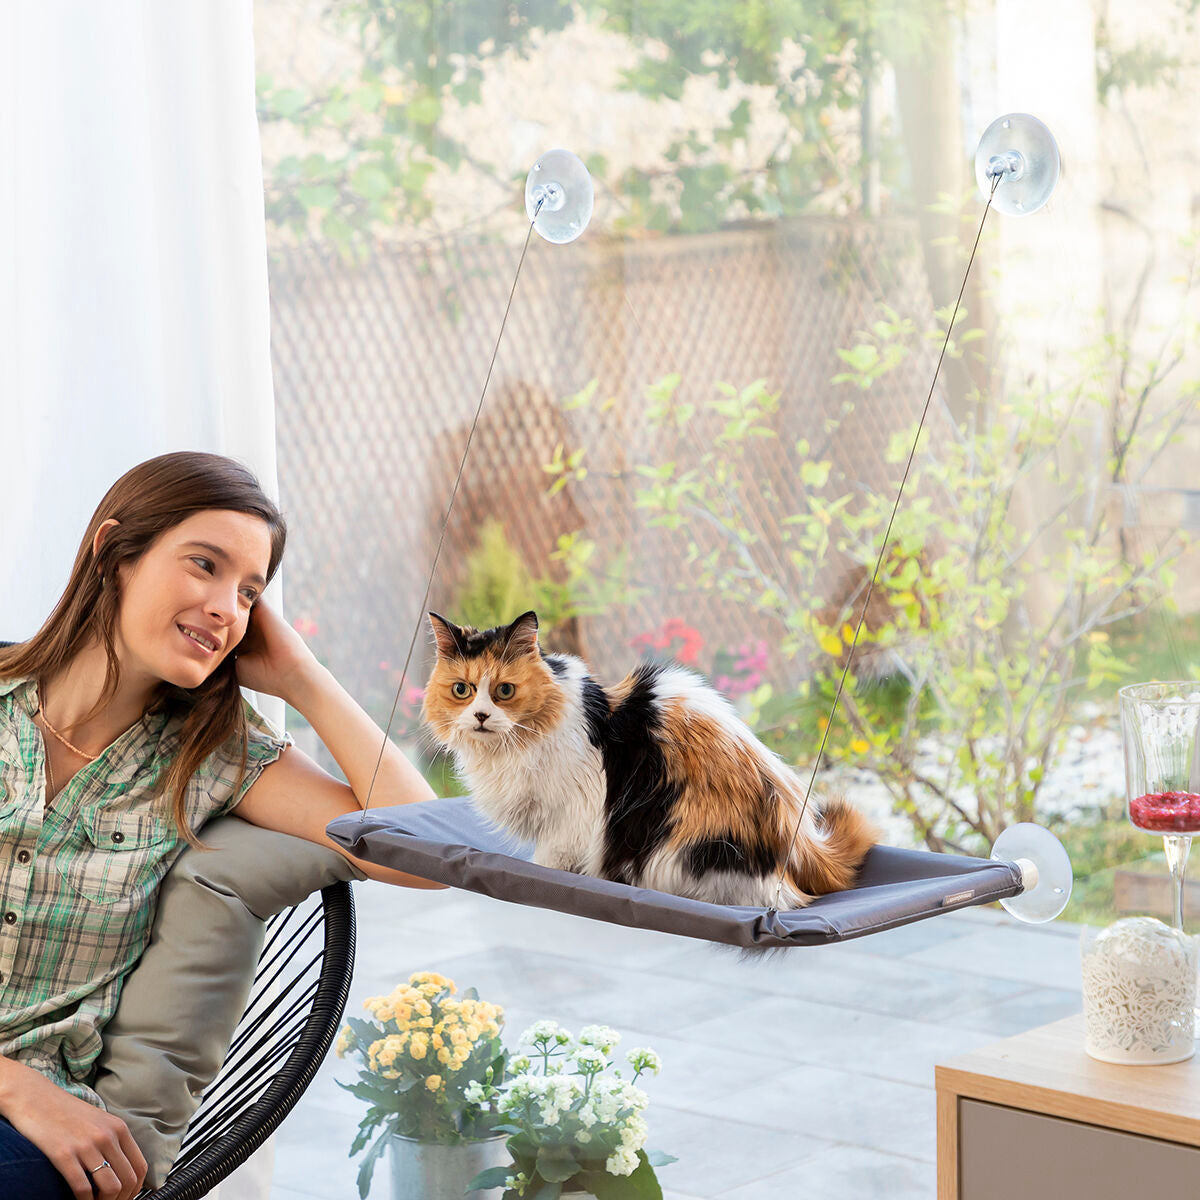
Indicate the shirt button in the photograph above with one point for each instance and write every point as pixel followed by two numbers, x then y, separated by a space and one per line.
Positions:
pixel 118 837
pixel 10 918
pixel 23 856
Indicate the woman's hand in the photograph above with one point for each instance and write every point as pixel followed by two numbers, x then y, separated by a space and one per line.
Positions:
pixel 75 1136
pixel 272 657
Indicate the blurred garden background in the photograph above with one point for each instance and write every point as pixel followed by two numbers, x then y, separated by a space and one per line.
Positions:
pixel 701 410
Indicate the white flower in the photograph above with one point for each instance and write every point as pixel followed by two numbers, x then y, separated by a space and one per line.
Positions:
pixel 473 1093
pixel 587 1115
pixel 633 1133
pixel 599 1036
pixel 539 1031
pixel 621 1162
pixel 583 1137
pixel 613 1095
pixel 590 1061
pixel 644 1060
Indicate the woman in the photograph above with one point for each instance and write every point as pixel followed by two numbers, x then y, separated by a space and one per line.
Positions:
pixel 122 731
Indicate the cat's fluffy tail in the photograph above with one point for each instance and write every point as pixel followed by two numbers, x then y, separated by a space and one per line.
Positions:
pixel 829 861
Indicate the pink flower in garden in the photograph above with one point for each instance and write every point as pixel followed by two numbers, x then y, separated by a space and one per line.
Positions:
pixel 676 630
pixel 752 657
pixel 305 626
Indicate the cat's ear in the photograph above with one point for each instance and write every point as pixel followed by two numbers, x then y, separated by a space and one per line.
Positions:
pixel 521 638
pixel 448 637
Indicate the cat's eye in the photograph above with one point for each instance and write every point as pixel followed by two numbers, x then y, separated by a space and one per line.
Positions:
pixel 461 689
pixel 505 691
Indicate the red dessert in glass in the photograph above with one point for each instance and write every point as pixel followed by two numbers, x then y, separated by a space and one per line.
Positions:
pixel 1166 812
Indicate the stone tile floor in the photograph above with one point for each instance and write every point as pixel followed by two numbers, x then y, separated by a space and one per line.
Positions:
pixel 809 1073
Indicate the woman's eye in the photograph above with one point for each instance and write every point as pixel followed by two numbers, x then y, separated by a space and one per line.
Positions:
pixel 205 564
pixel 461 690
pixel 505 691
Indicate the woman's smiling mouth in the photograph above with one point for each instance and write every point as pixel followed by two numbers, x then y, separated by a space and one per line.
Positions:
pixel 199 640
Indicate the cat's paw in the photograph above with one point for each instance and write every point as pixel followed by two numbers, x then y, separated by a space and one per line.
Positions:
pixel 557 859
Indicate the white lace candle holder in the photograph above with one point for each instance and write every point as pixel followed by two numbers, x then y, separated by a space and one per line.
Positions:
pixel 1139 990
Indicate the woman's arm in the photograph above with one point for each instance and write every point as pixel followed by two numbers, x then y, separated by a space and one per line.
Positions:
pixel 294 795
pixel 75 1136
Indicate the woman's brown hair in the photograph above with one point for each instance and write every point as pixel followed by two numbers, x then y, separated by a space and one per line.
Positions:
pixel 147 501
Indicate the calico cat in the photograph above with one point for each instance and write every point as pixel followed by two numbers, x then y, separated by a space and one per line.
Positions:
pixel 654 781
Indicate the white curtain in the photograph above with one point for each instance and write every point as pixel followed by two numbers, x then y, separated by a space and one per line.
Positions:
pixel 133 276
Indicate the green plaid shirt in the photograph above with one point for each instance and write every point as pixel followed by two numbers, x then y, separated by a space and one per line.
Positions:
pixel 78 880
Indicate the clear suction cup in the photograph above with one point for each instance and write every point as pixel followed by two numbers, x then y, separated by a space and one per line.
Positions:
pixel 561 185
pixel 1023 153
pixel 1045 872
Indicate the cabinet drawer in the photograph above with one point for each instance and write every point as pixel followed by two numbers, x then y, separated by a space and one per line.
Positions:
pixel 1008 1154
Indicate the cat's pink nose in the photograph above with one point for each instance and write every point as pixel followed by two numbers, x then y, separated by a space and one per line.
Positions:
pixel 481 717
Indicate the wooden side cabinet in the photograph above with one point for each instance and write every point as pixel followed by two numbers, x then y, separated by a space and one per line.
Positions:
pixel 1034 1117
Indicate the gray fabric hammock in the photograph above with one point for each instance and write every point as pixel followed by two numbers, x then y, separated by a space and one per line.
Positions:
pixel 449 842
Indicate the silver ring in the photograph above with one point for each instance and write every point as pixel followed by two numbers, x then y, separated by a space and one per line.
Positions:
pixel 101 1167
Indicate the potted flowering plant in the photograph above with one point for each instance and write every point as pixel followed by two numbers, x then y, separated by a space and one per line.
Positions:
pixel 575 1127
pixel 425 1055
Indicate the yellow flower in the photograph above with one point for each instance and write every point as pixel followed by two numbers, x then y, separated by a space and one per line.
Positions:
pixel 418 1047
pixel 454 1066
pixel 426 1022
pixel 433 1082
pixel 423 1007
pixel 458 1037
pixel 345 1041
pixel 432 978
pixel 438 1040
pixel 473 1032
pixel 443 1056
pixel 393 94
pixel 859 746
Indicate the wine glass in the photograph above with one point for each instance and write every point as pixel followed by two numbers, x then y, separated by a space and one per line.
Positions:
pixel 1160 729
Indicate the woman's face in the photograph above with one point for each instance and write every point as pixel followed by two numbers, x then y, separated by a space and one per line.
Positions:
pixel 186 602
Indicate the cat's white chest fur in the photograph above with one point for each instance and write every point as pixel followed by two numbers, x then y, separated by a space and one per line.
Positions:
pixel 549 792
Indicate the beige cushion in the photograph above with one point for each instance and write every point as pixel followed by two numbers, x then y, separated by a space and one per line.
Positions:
pixel 181 1003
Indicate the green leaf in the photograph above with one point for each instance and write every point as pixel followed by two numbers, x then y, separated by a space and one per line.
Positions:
pixel 862 357
pixel 368 97
pixel 424 109
pixel 320 195
pixel 556 1163
pixel 493 1177
pixel 814 474
pixel 371 181
pixel 367 1168
pixel 287 102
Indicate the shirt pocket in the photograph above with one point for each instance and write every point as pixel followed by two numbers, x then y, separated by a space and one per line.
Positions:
pixel 116 854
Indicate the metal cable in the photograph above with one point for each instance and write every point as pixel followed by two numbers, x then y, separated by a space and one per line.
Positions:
pixel 882 549
pixel 446 522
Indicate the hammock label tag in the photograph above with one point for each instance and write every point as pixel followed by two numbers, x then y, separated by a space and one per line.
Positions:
pixel 957 898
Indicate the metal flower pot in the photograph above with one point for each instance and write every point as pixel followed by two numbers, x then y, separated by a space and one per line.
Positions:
pixel 433 1171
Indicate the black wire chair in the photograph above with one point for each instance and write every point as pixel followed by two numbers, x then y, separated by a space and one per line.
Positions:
pixel 294 1011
